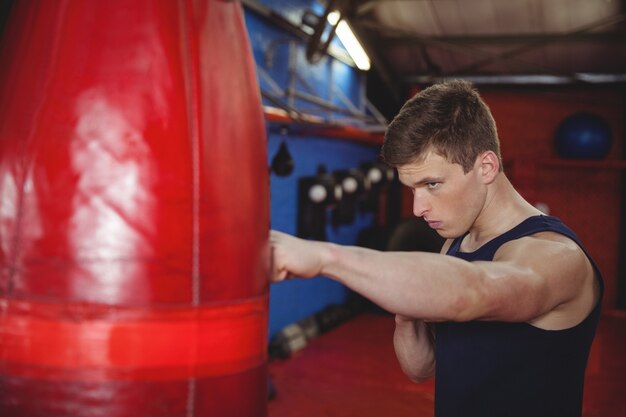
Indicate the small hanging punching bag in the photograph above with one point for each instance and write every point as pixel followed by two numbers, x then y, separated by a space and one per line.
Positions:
pixel 133 211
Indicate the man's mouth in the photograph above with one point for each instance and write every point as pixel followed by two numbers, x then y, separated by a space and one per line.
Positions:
pixel 435 224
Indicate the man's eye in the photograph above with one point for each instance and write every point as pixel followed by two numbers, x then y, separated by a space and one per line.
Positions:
pixel 432 185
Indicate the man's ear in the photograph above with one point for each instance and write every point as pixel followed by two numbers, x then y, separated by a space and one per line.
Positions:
pixel 489 165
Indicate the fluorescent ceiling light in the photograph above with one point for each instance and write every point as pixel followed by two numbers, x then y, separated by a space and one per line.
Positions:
pixel 350 42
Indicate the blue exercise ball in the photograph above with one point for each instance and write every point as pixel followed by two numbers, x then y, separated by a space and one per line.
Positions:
pixel 583 136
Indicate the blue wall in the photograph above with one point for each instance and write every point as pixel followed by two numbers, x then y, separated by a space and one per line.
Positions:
pixel 294 300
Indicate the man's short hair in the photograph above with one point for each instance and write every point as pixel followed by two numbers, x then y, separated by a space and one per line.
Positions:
pixel 449 118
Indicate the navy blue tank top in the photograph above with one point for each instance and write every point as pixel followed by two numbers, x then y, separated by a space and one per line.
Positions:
pixel 502 369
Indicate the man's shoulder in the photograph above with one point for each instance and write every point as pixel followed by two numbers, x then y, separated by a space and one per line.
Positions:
pixel 541 245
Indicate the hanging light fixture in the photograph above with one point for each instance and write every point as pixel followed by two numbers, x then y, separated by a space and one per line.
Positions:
pixel 349 41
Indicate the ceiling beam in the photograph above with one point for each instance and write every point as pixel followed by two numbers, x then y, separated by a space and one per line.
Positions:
pixel 514 52
pixel 503 39
pixel 467 49
pixel 524 79
pixel 489 57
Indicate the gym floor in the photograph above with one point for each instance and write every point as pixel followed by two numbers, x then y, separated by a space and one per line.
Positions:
pixel 352 371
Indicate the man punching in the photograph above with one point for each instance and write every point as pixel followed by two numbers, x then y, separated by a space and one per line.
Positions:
pixel 505 315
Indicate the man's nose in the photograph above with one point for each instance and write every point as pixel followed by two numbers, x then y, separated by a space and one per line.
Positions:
pixel 420 205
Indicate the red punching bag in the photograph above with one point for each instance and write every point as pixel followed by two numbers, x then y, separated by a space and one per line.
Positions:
pixel 133 211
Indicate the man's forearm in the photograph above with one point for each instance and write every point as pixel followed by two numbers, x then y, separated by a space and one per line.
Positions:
pixel 414 346
pixel 414 284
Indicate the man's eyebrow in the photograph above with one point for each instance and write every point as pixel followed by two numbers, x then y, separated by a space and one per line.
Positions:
pixel 427 180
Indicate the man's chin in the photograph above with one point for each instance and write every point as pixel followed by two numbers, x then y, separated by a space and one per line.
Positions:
pixel 448 234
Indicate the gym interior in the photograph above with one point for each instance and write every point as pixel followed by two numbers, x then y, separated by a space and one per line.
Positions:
pixel 147 148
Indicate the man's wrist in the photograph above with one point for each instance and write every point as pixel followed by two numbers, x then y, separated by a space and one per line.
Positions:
pixel 404 320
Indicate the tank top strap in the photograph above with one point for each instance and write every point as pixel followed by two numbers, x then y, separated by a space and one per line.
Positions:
pixel 527 227
pixel 455 247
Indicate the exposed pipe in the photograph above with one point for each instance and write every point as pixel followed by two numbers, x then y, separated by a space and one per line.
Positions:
pixel 529 79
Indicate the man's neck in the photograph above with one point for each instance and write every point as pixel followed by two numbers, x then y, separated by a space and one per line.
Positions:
pixel 504 209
